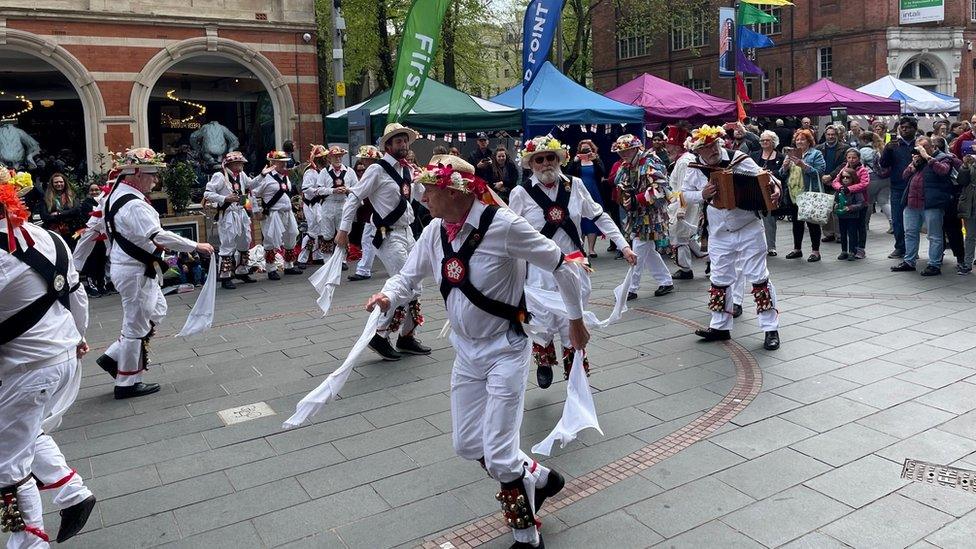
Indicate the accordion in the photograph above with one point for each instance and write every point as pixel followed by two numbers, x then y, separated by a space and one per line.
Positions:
pixel 745 192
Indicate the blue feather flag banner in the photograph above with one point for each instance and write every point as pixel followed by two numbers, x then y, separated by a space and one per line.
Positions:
pixel 749 38
pixel 538 32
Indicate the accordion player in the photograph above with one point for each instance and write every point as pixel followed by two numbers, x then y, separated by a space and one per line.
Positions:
pixel 745 192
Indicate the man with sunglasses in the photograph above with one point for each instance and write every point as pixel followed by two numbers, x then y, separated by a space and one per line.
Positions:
pixel 554 204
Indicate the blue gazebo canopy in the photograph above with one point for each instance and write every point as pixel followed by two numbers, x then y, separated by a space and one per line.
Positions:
pixel 553 99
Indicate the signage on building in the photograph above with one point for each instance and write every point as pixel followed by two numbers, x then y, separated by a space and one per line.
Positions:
pixel 920 11
pixel 726 42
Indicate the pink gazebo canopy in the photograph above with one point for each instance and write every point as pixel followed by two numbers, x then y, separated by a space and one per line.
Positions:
pixel 818 98
pixel 665 102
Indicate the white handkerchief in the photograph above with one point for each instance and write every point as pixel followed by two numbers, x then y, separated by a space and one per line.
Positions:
pixel 326 279
pixel 202 314
pixel 538 299
pixel 578 412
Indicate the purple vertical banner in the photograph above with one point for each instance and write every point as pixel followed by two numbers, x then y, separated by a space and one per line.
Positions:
pixel 538 31
pixel 726 42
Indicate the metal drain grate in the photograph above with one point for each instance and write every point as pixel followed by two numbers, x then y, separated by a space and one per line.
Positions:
pixel 938 475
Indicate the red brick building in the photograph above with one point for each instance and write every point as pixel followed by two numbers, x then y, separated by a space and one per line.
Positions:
pixel 853 43
pixel 252 65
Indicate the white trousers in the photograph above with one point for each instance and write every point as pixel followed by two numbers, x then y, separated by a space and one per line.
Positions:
pixel 142 304
pixel 747 249
pixel 52 470
pixel 312 219
pixel 649 258
pixel 234 230
pixel 26 398
pixel 393 254
pixel 310 248
pixel 330 216
pixel 548 324
pixel 487 403
pixel 365 265
pixel 279 229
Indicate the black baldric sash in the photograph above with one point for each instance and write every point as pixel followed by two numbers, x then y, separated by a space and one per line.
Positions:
pixel 235 185
pixel 55 275
pixel 556 213
pixel 150 260
pixel 282 190
pixel 383 223
pixel 455 273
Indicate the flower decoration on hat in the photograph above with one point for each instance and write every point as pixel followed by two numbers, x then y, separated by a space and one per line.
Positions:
pixel 14 210
pixel 336 150
pixel 625 142
pixel 139 158
pixel 278 156
pixel 369 151
pixel 543 144
pixel 318 151
pixel 451 172
pixel 706 135
pixel 234 156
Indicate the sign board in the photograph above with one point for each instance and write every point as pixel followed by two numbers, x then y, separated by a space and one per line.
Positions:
pixel 340 89
pixel 726 42
pixel 920 11
pixel 359 129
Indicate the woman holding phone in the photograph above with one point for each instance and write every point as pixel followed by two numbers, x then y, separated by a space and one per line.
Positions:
pixel 802 169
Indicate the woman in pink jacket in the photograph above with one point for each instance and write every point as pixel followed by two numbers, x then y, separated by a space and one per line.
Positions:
pixel 853 161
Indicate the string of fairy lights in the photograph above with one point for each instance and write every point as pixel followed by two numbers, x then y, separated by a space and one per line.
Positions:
pixel 28 105
pixel 201 110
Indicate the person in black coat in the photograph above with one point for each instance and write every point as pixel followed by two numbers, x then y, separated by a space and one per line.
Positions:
pixel 501 173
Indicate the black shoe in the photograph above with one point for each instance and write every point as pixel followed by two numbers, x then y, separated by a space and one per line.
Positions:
pixel 543 376
pixel 771 253
pixel 771 343
pixel 381 346
pixel 91 289
pixel 794 255
pixel 73 518
pixel 663 290
pixel 736 310
pixel 411 346
pixel 842 257
pixel 612 247
pixel 109 289
pixel 137 390
pixel 931 271
pixel 228 284
pixel 356 277
pixel 708 268
pixel 553 486
pixel 293 271
pixel 108 364
pixel 631 296
pixel 896 255
pixel 711 334
pixel 682 274
pixel 903 267
pixel 274 275
pixel 301 265
pixel 813 258
pixel 345 266
pixel 245 278
pixel 525 545
pixel 829 238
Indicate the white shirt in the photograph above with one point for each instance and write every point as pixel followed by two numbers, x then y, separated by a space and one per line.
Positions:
pixel 267 187
pixel 138 222
pixel 310 184
pixel 219 187
pixel 325 182
pixel 497 269
pixel 383 193
pixel 720 220
pixel 581 205
pixel 54 338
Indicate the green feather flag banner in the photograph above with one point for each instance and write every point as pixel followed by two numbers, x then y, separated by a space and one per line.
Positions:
pixel 749 15
pixel 421 36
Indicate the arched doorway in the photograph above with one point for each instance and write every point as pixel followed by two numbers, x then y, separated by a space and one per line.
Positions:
pixel 68 114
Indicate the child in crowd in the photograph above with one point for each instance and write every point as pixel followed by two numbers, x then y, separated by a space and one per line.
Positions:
pixel 849 206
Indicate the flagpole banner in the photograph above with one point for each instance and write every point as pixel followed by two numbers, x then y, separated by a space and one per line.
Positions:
pixel 538 31
pixel 418 45
pixel 920 11
pixel 726 43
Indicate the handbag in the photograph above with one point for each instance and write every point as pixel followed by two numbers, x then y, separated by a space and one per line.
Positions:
pixel 814 207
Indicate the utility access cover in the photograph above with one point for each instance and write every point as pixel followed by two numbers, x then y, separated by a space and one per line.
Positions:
pixel 246 412
pixel 938 475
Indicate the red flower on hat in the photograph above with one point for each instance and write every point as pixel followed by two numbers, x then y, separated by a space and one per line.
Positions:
pixel 530 146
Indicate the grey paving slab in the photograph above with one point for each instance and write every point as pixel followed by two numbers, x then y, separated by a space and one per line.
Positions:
pixel 905 420
pixel 787 516
pixel 712 534
pixel 356 472
pixel 886 393
pixel 815 540
pixel 869 371
pixel 685 507
pixel 958 398
pixel 956 534
pixel 681 404
pixel 772 473
pixel 888 525
pixel 617 496
pixel 844 444
pixel 763 437
pixel 933 446
pixel 234 536
pixel 164 498
pixel 318 516
pixel 241 506
pixel 954 502
pixel 616 529
pixel 406 523
pixel 860 482
pixel 827 414
pixel 765 405
pixel 698 460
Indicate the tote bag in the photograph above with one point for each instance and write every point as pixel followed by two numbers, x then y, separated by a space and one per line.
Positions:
pixel 814 207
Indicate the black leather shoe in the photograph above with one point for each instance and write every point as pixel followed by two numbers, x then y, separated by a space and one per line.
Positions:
pixel 356 277
pixel 682 274
pixel 663 290
pixel 73 518
pixel 903 267
pixel 829 238
pixel 771 343
pixel 543 376
pixel 896 255
pixel 554 484
pixel 245 278
pixel 108 364
pixel 293 271
pixel 137 390
pixel 411 346
pixel 712 334
pixel 931 271
pixel 631 296
pixel 345 266
pixel 381 346
pixel 228 284
pixel 274 275
pixel 736 310
pixel 813 258
pixel 524 545
pixel 794 255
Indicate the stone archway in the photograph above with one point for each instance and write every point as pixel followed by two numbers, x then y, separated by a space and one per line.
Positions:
pixel 91 97
pixel 261 66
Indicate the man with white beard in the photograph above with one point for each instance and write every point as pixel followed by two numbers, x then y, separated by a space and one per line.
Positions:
pixel 554 204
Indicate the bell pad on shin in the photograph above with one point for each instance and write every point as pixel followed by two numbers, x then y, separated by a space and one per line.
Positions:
pixel 516 508
pixel 716 298
pixel 763 296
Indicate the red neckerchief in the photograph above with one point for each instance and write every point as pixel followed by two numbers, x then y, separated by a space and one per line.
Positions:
pixel 454 228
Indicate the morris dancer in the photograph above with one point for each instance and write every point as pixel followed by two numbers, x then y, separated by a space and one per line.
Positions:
pixel 685 227
pixel 227 190
pixel 735 237
pixel 388 185
pixel 477 254
pixel 40 347
pixel 368 155
pixel 335 182
pixel 312 198
pixel 637 172
pixel 136 238
pixel 279 227
pixel 555 204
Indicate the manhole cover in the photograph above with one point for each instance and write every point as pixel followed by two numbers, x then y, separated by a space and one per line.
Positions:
pixel 938 475
pixel 246 412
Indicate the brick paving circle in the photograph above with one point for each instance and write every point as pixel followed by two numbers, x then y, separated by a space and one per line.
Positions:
pixel 748 382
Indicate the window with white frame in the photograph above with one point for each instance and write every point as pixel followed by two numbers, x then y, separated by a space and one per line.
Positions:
pixel 633 45
pixel 825 62
pixel 774 27
pixel 693 35
pixel 972 11
pixel 703 85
